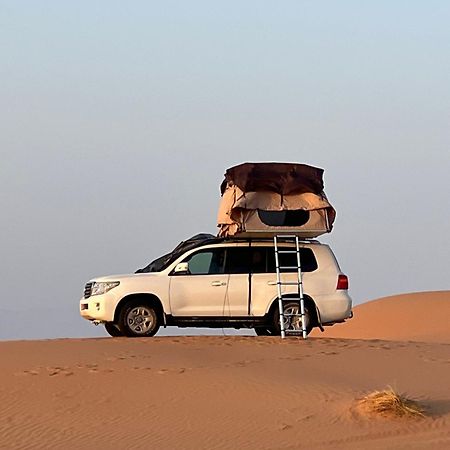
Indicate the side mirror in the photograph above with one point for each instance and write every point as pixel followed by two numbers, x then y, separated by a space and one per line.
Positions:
pixel 181 269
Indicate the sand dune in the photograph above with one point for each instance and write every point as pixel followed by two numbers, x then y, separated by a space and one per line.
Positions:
pixel 421 316
pixel 233 392
pixel 217 392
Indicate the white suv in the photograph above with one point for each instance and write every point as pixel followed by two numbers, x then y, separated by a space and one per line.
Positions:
pixel 219 282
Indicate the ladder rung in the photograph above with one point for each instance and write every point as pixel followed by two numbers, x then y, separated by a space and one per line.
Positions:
pixel 284 270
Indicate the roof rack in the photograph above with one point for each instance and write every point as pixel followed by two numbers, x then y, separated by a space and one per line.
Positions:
pixel 253 238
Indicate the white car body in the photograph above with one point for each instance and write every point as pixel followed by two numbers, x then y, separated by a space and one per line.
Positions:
pixel 224 299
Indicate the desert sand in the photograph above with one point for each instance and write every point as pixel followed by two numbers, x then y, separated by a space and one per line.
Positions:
pixel 231 392
pixel 420 316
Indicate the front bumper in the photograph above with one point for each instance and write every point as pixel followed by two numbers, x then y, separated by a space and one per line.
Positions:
pixel 98 307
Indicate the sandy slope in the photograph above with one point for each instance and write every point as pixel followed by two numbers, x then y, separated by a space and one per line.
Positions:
pixel 217 392
pixel 234 392
pixel 421 316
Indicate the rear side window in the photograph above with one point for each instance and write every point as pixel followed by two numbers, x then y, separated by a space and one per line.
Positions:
pixel 262 260
pixel 307 260
pixel 237 260
pixel 246 259
pixel 258 259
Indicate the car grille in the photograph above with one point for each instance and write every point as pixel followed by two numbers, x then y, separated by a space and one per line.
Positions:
pixel 88 290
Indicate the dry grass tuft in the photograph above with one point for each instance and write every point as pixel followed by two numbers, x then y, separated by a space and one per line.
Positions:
pixel 388 403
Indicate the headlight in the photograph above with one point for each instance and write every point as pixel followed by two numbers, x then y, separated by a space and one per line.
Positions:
pixel 99 287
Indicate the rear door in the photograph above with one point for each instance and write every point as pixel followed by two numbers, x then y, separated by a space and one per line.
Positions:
pixel 264 278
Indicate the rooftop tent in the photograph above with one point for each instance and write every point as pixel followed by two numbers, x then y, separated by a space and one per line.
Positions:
pixel 262 199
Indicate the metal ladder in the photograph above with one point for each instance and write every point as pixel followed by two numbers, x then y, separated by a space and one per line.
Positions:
pixel 280 283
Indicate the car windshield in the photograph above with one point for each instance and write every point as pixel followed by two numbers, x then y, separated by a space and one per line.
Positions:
pixel 162 262
pixel 157 265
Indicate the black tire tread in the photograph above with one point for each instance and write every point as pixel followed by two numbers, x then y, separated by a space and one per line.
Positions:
pixel 112 329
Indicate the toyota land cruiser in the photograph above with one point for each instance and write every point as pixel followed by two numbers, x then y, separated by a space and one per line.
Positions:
pixel 219 282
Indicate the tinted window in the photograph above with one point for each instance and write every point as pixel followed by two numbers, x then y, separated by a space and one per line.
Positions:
pixel 307 260
pixel 207 262
pixel 293 218
pixel 258 259
pixel 262 260
pixel 246 259
pixel 237 260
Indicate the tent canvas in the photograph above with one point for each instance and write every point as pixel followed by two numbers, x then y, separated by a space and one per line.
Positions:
pixel 267 198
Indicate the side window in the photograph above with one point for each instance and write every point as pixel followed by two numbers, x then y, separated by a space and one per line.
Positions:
pixel 258 259
pixel 237 260
pixel 207 262
pixel 307 259
pixel 247 259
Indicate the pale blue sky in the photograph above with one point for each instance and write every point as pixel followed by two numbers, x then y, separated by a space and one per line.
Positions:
pixel 118 119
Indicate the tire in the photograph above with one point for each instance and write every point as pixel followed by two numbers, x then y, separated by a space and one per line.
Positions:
pixel 112 329
pixel 292 324
pixel 138 319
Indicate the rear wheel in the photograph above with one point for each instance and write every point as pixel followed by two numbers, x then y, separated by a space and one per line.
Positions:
pixel 292 320
pixel 112 329
pixel 138 320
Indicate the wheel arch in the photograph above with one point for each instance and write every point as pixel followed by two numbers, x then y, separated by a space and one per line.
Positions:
pixel 148 299
pixel 309 302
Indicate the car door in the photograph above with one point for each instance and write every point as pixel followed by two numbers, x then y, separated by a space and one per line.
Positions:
pixel 201 291
pixel 237 265
pixel 264 279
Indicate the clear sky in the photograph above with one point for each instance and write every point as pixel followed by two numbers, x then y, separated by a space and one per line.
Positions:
pixel 118 120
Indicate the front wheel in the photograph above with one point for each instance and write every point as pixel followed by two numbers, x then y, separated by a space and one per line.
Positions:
pixel 138 320
pixel 112 329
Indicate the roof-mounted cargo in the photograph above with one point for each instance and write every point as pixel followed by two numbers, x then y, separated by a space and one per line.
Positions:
pixel 263 199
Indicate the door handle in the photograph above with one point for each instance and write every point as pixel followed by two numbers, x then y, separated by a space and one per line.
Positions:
pixel 272 283
pixel 218 283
